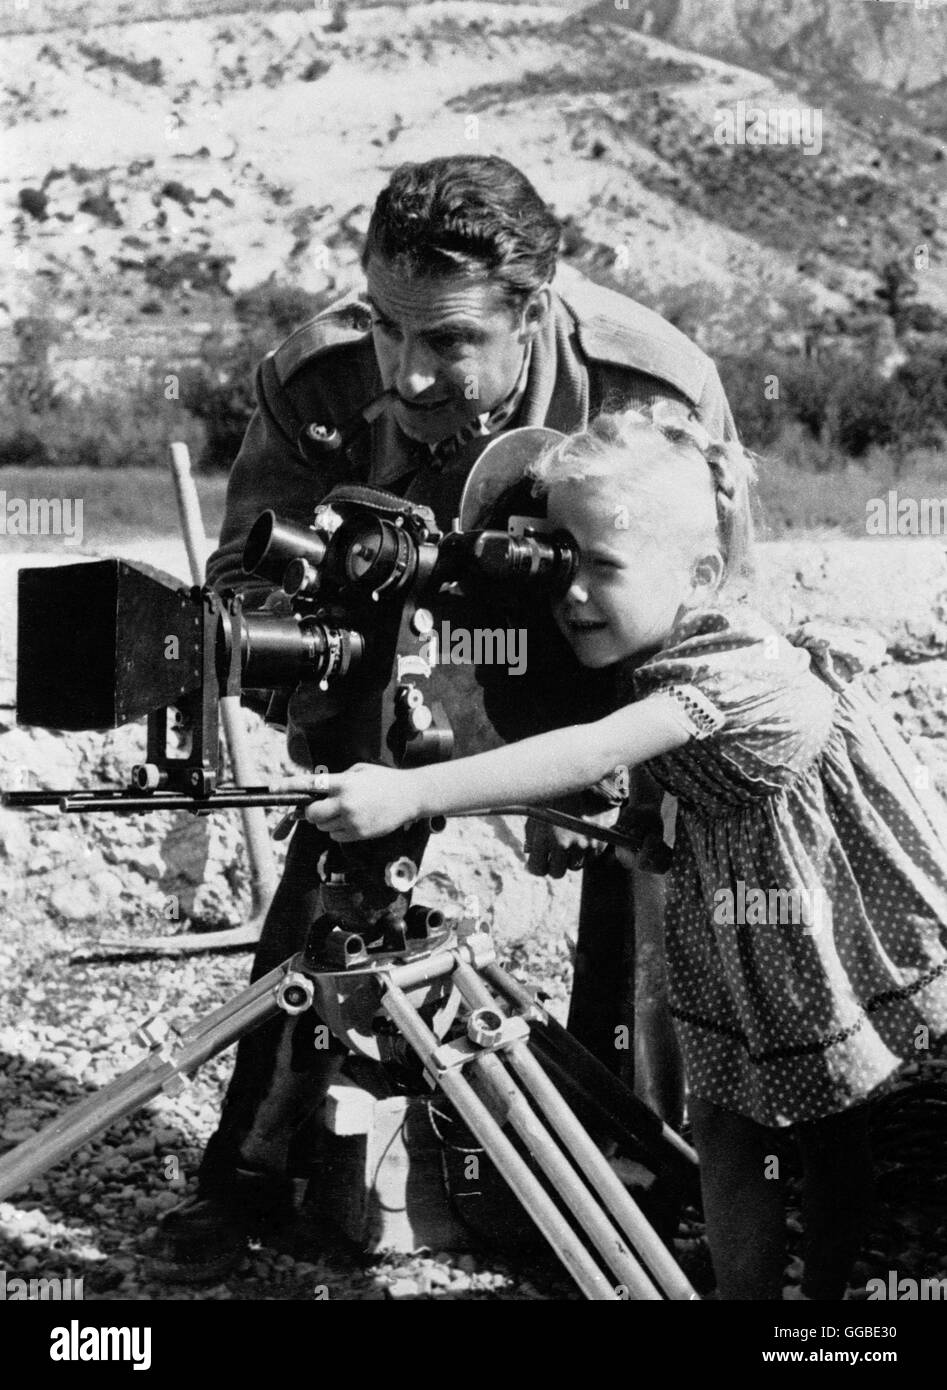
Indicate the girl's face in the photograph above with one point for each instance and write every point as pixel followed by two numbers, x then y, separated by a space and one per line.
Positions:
pixel 627 592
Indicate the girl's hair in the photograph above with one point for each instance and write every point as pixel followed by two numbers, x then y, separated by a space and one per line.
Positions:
pixel 670 480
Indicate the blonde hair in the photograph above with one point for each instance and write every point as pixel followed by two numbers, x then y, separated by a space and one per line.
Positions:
pixel 678 484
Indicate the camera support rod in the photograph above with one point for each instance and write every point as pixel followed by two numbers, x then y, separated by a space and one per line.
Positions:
pixel 263 876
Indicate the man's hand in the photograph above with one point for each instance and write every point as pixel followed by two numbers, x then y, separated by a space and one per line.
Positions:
pixel 551 850
pixel 363 803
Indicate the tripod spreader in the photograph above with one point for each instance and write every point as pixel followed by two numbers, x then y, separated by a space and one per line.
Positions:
pixel 483 1065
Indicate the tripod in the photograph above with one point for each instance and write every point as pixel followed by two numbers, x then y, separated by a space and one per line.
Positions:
pixel 491 1051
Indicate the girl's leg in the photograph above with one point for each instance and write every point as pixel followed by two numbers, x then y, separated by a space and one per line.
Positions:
pixel 838 1192
pixel 658 1068
pixel 743 1208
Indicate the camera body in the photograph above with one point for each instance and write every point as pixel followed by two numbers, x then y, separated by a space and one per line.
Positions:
pixel 108 642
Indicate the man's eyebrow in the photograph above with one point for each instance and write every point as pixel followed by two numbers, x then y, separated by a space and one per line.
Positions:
pixel 458 325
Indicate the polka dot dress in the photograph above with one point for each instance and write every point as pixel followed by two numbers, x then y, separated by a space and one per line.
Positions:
pixel 806 918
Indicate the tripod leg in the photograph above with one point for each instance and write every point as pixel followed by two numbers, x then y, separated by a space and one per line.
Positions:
pixel 525 1185
pixel 576 1141
pixel 575 1195
pixel 128 1093
pixel 622 1106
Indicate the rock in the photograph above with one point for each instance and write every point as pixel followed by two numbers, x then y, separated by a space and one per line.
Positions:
pixel 44 759
pixel 14 836
pixel 75 903
pixel 184 850
pixel 15 1134
pixel 140 1148
pixel 144 859
pixel 33 201
pixel 107 885
pixel 403 1288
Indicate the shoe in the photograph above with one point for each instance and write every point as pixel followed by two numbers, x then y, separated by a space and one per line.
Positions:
pixel 206 1236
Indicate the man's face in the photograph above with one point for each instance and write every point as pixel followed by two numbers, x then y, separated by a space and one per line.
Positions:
pixel 449 347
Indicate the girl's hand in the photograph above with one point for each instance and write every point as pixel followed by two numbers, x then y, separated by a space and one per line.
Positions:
pixel 364 803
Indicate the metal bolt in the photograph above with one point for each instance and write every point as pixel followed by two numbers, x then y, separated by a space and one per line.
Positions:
pixel 401 874
pixel 484 1027
pixel 296 993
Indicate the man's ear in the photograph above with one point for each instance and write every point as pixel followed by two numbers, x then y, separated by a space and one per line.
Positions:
pixel 706 578
pixel 535 311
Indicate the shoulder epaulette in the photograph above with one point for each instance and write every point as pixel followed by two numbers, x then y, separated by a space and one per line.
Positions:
pixel 345 321
pixel 615 329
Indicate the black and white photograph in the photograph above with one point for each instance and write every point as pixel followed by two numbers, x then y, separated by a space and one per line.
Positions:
pixel 473 656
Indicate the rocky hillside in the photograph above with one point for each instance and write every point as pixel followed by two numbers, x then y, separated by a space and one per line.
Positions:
pixel 897 46
pixel 153 170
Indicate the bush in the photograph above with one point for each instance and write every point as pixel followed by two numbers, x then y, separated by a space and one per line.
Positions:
pixel 220 391
pixel 839 400
pixel 122 429
pixel 135 427
pixel 767 393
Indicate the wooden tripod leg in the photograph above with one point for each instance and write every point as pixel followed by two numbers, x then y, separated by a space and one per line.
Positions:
pixel 535 1200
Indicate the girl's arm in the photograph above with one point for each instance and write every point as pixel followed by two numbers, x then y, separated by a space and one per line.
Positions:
pixel 368 801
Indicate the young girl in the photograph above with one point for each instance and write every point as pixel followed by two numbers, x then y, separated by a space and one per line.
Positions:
pixel 806 920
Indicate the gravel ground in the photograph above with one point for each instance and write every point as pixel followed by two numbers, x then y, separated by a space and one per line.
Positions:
pixel 94 1214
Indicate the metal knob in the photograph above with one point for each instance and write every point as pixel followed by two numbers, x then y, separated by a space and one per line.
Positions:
pixel 401 874
pixel 295 993
pixel 484 1027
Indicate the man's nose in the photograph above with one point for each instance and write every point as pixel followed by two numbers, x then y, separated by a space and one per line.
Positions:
pixel 417 370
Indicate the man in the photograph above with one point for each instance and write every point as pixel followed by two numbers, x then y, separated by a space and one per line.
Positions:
pixel 457 336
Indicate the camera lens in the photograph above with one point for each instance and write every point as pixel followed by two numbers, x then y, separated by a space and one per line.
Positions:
pixel 374 555
pixel 272 544
pixel 534 562
pixel 278 652
pixel 362 554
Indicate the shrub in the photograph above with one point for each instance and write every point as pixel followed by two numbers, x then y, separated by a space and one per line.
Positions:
pixel 839 399
pixel 220 391
pixel 130 428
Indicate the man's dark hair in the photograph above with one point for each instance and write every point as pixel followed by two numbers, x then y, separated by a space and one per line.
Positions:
pixel 465 214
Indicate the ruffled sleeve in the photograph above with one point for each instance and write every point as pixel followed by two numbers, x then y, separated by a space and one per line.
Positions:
pixel 754 703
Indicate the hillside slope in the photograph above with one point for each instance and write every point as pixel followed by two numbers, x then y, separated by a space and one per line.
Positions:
pixel 154 169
